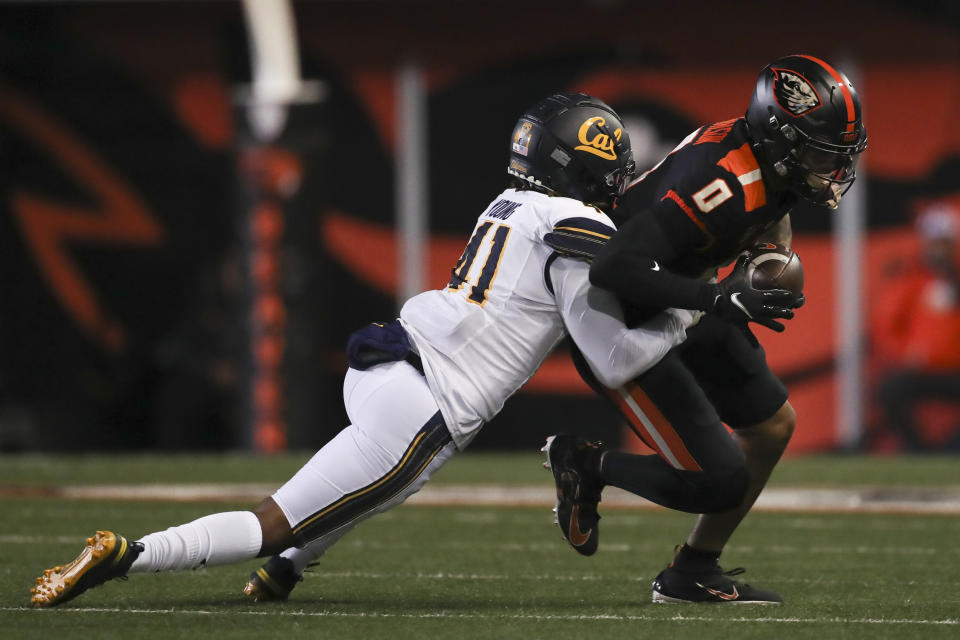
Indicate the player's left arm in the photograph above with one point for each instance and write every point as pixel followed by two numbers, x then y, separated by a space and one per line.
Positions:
pixel 595 322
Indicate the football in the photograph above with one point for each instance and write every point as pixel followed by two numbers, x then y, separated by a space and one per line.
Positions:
pixel 772 266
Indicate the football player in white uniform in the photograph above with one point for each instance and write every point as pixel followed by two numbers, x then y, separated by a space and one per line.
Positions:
pixel 419 388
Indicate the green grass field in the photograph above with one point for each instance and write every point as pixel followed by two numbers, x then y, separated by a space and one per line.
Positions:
pixel 493 572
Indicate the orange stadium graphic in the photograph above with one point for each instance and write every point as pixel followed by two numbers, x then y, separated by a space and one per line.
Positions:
pixel 51 228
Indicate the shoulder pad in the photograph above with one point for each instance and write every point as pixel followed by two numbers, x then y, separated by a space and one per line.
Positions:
pixel 579 237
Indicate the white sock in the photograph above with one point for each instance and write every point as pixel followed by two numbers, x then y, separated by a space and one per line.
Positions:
pixel 302 556
pixel 216 539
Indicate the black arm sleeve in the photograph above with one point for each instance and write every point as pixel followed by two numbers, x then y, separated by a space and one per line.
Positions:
pixel 631 265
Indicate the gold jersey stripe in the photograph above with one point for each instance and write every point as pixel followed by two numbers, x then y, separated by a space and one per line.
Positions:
pixel 585 231
pixel 344 500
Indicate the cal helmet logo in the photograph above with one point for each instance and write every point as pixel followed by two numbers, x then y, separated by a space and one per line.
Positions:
pixel 794 93
pixel 600 143
pixel 522 137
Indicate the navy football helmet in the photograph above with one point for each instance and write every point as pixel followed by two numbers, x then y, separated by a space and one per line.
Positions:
pixel 573 145
pixel 806 123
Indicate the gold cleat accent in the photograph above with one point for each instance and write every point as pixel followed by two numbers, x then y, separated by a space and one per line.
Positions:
pixel 105 556
pixel 272 582
pixel 255 593
pixel 261 587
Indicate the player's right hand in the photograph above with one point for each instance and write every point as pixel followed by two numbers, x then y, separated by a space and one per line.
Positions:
pixel 737 301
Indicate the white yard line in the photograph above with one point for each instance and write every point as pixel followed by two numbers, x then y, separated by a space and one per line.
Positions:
pixel 537 547
pixel 274 612
pixel 471 577
pixel 875 500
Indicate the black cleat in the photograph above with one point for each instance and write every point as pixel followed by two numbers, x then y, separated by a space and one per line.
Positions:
pixel 105 557
pixel 578 491
pixel 273 581
pixel 711 584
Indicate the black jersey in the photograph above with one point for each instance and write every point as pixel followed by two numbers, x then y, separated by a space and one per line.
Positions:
pixel 709 198
pixel 697 210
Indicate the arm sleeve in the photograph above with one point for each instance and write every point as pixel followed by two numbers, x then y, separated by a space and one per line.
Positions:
pixel 594 320
pixel 631 264
pixel 579 237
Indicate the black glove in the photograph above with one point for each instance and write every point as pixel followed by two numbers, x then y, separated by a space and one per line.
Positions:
pixel 737 301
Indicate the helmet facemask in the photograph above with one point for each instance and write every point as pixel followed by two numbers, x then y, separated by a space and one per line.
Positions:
pixel 818 171
pixel 619 179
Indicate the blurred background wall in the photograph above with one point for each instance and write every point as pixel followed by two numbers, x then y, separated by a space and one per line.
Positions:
pixel 170 281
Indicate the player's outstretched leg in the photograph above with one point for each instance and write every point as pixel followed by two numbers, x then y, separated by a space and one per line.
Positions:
pixel 574 462
pixel 106 556
pixel 273 581
pixel 695 576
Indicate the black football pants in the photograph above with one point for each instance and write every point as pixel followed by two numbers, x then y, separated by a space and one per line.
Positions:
pixel 679 407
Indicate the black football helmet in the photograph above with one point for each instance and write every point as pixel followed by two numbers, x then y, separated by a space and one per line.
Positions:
pixel 573 145
pixel 806 124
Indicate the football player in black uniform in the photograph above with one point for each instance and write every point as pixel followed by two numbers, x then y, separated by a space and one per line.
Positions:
pixel 725 187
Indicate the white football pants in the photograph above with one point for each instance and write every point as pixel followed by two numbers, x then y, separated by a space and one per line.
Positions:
pixel 395 442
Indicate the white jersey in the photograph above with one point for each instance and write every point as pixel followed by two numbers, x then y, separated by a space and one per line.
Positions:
pixel 511 300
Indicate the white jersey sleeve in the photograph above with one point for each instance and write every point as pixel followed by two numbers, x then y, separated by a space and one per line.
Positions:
pixel 594 319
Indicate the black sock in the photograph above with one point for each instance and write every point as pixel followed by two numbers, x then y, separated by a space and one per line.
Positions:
pixel 592 461
pixel 690 558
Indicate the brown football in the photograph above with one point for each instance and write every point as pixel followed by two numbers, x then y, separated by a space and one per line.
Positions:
pixel 772 266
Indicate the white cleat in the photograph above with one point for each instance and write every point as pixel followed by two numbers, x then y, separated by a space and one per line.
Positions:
pixel 546 449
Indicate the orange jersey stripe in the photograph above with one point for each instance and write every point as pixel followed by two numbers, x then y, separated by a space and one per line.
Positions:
pixel 633 419
pixel 652 427
pixel 664 429
pixel 743 164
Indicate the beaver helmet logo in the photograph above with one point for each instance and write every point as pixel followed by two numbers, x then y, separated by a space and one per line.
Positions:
pixel 601 144
pixel 794 93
